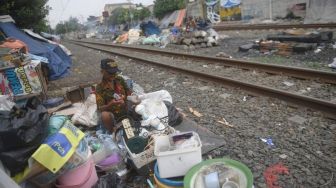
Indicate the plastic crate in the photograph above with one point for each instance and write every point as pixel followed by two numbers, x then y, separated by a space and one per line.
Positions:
pixel 174 163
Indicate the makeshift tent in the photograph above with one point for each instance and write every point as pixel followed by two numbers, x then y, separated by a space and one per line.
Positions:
pixel 150 28
pixel 39 37
pixel 59 62
pixel 175 18
pixel 320 11
pixel 180 17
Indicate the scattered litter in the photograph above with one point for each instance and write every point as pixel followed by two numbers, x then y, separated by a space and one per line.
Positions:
pixel 289 84
pixel 297 119
pixel 333 64
pixel 205 66
pixel 268 141
pixel 196 113
pixel 223 54
pixel 271 174
pixel 225 95
pixel 245 99
pixel 204 88
pixel 318 50
pixel 224 122
pixel 283 156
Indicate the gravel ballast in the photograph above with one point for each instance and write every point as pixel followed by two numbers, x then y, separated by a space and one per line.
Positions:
pixel 304 140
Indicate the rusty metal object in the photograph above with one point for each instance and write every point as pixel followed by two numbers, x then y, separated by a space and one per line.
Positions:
pixel 328 108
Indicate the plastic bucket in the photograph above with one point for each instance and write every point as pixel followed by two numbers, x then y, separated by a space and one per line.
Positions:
pixel 84 176
pixel 164 182
pixel 190 178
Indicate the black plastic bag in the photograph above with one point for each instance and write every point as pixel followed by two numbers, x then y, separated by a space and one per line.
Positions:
pixel 17 160
pixel 174 116
pixel 22 131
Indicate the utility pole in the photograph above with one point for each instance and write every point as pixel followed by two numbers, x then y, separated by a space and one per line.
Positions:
pixel 270 10
pixel 130 12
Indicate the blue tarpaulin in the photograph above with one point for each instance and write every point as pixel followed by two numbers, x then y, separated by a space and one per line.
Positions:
pixel 150 28
pixel 230 3
pixel 59 62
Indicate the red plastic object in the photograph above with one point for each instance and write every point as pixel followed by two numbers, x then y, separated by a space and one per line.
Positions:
pixel 271 174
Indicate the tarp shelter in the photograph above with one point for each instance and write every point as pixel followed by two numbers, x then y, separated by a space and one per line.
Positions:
pixel 318 11
pixel 59 62
pixel 41 38
pixel 149 28
pixel 230 3
pixel 175 18
pixel 180 17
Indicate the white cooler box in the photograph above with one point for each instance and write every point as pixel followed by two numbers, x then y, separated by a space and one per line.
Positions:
pixel 174 163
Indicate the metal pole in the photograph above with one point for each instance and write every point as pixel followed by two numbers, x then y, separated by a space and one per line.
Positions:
pixel 270 10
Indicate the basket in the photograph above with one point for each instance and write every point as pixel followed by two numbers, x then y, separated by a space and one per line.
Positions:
pixel 147 156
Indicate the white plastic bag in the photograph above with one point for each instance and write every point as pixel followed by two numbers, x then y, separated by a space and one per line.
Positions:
pixel 88 114
pixel 5 103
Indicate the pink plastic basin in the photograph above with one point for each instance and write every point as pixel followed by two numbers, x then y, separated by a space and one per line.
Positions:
pixel 84 176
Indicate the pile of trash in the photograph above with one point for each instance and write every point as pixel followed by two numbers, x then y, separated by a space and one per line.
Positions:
pixel 291 41
pixel 62 142
pixel 150 34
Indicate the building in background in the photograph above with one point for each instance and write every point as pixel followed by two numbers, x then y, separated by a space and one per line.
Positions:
pixel 110 7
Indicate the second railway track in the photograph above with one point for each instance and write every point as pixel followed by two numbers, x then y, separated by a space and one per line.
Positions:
pixel 295 98
pixel 296 72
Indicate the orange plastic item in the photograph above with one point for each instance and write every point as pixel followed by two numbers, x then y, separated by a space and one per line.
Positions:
pixel 15 44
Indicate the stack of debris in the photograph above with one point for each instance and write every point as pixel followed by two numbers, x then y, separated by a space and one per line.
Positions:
pixel 290 41
pixel 198 39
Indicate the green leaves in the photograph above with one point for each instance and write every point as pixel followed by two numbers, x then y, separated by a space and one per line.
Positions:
pixel 162 7
pixel 71 25
pixel 27 14
pixel 124 15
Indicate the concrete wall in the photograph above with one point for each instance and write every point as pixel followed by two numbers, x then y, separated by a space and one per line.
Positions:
pixel 260 9
pixel 195 9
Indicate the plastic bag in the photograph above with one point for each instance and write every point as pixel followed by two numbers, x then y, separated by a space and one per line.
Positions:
pixel 55 123
pixel 5 103
pixel 174 116
pixel 88 114
pixel 22 131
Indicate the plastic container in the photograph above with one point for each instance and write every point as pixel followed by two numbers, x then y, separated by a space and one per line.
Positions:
pixel 174 163
pixel 140 159
pixel 163 182
pixel 193 179
pixel 84 176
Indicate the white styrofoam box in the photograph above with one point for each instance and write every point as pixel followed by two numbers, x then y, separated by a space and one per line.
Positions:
pixel 176 162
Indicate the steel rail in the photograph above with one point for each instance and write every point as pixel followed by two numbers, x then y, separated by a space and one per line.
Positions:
pixel 297 72
pixel 328 108
pixel 223 27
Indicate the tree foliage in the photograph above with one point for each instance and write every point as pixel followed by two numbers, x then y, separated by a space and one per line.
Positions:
pixel 30 14
pixel 68 26
pixel 162 7
pixel 125 15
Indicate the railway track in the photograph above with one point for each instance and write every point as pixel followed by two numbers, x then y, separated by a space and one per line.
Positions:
pixel 223 27
pixel 296 72
pixel 327 107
